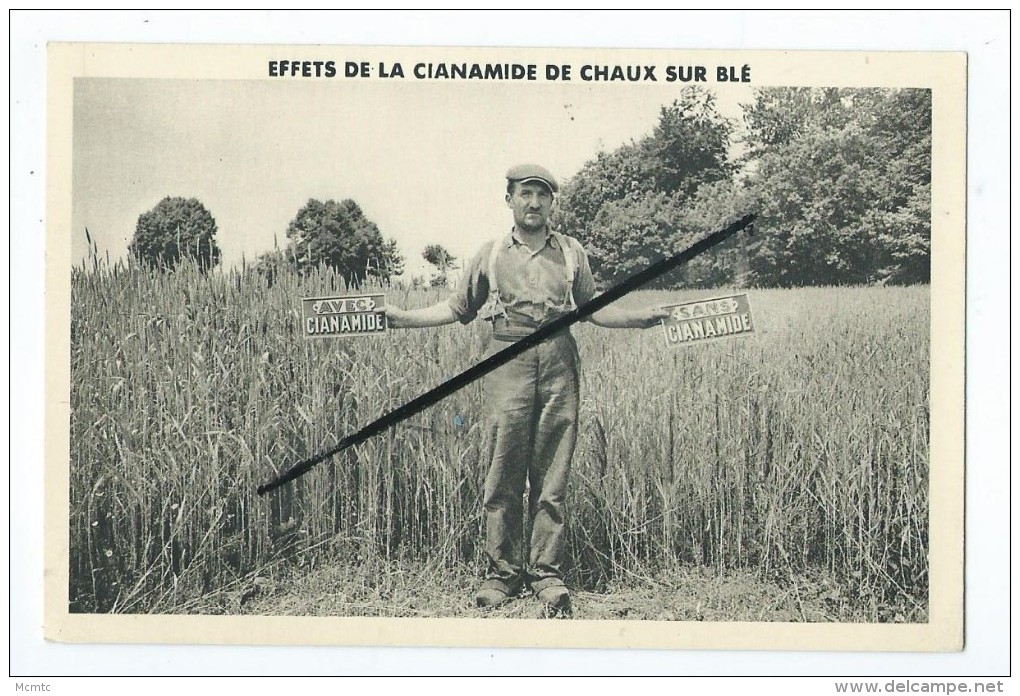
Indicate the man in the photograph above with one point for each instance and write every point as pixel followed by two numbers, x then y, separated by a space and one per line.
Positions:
pixel 519 282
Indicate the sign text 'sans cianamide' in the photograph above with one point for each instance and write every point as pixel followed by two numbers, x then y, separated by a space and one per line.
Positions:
pixel 708 320
pixel 354 315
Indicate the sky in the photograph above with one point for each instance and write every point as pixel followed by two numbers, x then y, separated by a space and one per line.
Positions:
pixel 425 160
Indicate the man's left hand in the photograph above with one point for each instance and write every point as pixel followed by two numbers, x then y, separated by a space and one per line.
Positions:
pixel 655 315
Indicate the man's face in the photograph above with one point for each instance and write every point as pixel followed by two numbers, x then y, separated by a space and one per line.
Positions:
pixel 532 203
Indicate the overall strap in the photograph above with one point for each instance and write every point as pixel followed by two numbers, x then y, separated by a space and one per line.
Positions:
pixel 493 256
pixel 494 305
pixel 571 262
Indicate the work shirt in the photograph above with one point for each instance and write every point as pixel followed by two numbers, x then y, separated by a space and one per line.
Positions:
pixel 533 285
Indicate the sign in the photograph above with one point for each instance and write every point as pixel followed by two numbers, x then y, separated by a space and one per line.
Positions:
pixel 708 320
pixel 354 315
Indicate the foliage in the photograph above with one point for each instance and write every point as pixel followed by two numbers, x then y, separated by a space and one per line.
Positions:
pixel 728 264
pixel 630 234
pixel 609 177
pixel 442 259
pixel 641 229
pixel 340 236
pixel 842 186
pixel 272 264
pixel 840 179
pixel 781 115
pixel 391 262
pixel 655 177
pixel 690 145
pixel 175 229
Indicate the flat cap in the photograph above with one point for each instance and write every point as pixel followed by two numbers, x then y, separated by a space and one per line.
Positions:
pixel 532 172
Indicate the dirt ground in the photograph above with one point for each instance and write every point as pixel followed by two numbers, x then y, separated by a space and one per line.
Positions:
pixel 400 589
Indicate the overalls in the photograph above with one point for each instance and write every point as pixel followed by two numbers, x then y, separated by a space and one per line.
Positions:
pixel 532 408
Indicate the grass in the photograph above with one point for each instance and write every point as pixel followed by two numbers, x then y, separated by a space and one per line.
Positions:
pixel 416 589
pixel 800 452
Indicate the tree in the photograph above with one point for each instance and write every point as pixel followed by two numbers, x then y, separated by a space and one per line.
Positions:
pixel 842 182
pixel 728 263
pixel 902 217
pixel 176 228
pixel 391 262
pixel 630 234
pixel 642 229
pixel 812 196
pixel 655 176
pixel 609 177
pixel 690 145
pixel 273 264
pixel 443 260
pixel 339 235
pixel 840 179
pixel 780 115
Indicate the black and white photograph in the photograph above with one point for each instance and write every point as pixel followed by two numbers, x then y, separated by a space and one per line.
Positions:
pixel 657 348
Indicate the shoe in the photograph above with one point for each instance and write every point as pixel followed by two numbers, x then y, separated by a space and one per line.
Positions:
pixel 556 601
pixel 488 596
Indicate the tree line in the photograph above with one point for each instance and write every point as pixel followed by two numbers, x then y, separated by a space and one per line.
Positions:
pixel 336 234
pixel 840 180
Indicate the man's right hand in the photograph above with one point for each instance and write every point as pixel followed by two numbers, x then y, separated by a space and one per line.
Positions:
pixel 396 317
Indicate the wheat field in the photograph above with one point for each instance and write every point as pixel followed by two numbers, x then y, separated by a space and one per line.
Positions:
pixel 800 449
